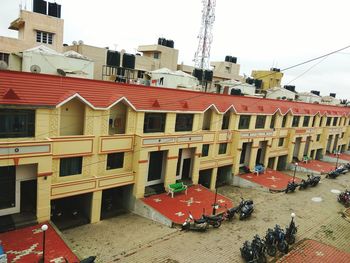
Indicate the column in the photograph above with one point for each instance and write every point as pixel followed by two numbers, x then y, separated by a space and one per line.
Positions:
pixel 171 165
pixel 214 175
pixel 195 167
pixel 140 168
pixel 301 149
pixel 44 181
pixel 253 154
pixel 275 163
pixel 96 202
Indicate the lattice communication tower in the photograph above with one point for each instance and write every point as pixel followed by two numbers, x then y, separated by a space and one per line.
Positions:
pixel 202 56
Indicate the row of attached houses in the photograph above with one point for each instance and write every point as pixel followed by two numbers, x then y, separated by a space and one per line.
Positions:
pixel 80 140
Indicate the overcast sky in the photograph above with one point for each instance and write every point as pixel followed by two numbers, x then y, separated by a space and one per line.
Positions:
pixel 262 34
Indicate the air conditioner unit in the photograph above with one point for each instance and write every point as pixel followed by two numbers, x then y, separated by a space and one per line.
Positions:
pixel 3 65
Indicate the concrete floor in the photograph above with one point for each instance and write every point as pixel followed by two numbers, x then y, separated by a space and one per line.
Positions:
pixel 130 238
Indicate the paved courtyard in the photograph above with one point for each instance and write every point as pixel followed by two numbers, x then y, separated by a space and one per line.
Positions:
pixel 130 238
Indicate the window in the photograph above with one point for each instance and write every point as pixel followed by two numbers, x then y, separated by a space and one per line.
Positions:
pixel 154 122
pixel 321 121
pixel 205 150
pixel 244 121
pixel 44 37
pixel 4 57
pixel 329 120
pixel 280 142
pixel 306 121
pixel 156 55
pixel 260 122
pixel 295 122
pixel 184 122
pixel 225 121
pixel 335 121
pixel 318 137
pixel 71 166
pixel 273 120
pixel 313 121
pixel 284 121
pixel 115 161
pixel 17 123
pixel 222 148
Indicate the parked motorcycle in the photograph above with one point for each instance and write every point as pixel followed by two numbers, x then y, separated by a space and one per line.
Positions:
pixel 280 237
pixel 332 174
pixel 259 248
pixel 246 208
pixel 213 220
pixel 230 213
pixel 314 180
pixel 190 223
pixel 247 252
pixel 341 169
pixel 344 198
pixel 270 242
pixel 291 186
pixel 90 259
pixel 291 231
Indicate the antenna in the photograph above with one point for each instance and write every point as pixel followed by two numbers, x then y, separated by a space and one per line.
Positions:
pixel 205 36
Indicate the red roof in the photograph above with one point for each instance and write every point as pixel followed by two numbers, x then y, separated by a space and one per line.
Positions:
pixel 30 89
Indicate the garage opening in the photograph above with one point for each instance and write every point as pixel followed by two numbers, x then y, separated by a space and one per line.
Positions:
pixel 115 201
pixel 205 177
pixel 224 176
pixel 71 211
pixel 282 163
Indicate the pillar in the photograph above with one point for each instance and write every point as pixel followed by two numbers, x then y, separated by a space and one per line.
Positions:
pixel 275 163
pixel 43 204
pixel 171 165
pixel 140 168
pixel 195 167
pixel 253 154
pixel 95 213
pixel 214 175
pixel 301 150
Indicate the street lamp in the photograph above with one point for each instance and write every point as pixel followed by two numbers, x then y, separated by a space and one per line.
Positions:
pixel 295 169
pixel 44 228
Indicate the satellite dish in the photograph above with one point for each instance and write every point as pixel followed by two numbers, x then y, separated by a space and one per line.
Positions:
pixel 3 65
pixel 80 42
pixel 35 69
pixel 74 42
pixel 61 72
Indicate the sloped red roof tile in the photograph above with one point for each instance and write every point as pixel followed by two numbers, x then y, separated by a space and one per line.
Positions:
pixel 49 90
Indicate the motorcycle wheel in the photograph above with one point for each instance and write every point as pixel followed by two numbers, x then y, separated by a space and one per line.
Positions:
pixel 286 190
pixel 291 240
pixel 283 247
pixel 271 251
pixel 217 224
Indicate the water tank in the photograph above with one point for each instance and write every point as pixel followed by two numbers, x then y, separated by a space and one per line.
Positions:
pixel 233 60
pixel 113 58
pixel 290 87
pixel 249 81
pixel 39 6
pixel 170 43
pixel 228 59
pixel 236 92
pixel 208 75
pixel 332 94
pixel 316 92
pixel 198 73
pixel 120 71
pixel 54 10
pixel 258 83
pixel 275 69
pixel 128 61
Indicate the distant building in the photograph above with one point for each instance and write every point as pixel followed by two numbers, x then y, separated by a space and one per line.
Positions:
pixel 280 94
pixel 309 97
pixel 270 78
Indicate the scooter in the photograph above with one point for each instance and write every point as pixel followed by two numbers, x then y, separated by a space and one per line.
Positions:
pixel 230 213
pixel 270 242
pixel 280 237
pixel 213 220
pixel 246 208
pixel 259 248
pixel 247 252
pixel 291 186
pixel 190 223
pixel 314 180
pixel 333 174
pixel 344 198
pixel 291 231
pixel 305 183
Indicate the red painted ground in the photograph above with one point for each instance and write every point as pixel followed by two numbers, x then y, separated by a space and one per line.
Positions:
pixel 177 208
pixel 272 179
pixel 25 245
pixel 342 156
pixel 311 251
pixel 318 166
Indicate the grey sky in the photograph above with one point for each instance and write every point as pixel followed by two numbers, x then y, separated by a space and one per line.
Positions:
pixel 261 34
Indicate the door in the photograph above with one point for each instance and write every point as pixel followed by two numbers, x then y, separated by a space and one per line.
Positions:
pixel 8 191
pixel 155 168
pixel 186 168
pixel 28 196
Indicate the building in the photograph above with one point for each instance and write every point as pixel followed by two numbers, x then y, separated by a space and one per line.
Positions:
pixel 270 78
pixel 280 93
pixel 309 97
pixel 88 146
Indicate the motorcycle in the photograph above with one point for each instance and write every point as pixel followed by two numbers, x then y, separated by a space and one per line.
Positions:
pixel 246 208
pixel 280 237
pixel 230 213
pixel 333 174
pixel 213 220
pixel 190 223
pixel 90 259
pixel 270 242
pixel 314 180
pixel 259 248
pixel 291 186
pixel 291 231
pixel 247 252
pixel 341 169
pixel 344 198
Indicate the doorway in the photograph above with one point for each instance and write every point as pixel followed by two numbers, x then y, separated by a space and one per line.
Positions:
pixel 184 164
pixel 335 145
pixel 260 155
pixel 7 189
pixel 205 177
pixel 271 162
pixel 245 154
pixel 329 143
pixel 282 163
pixel 296 148
pixel 319 155
pixel 307 145
pixel 28 196
pixel 156 168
